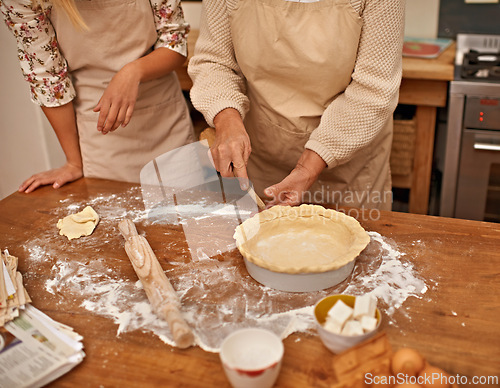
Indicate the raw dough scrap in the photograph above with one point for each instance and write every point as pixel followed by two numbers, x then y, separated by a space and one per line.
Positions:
pixel 303 239
pixel 79 224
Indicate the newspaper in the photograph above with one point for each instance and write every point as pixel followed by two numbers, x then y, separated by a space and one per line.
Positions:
pixel 36 350
pixel 13 295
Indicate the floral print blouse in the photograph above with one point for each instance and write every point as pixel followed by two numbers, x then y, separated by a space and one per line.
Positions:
pixel 42 63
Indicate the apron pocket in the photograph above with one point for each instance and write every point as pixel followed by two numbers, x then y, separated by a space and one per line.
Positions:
pixel 120 155
pixel 276 144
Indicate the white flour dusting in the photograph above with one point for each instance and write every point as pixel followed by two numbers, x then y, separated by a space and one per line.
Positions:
pixel 119 299
pixel 36 252
pixel 392 281
pixel 218 296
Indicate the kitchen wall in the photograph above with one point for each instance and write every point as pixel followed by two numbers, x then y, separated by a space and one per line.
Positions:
pixel 462 17
pixel 192 13
pixel 422 18
pixel 27 143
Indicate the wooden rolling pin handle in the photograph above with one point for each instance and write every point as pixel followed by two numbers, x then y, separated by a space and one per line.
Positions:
pixel 183 335
pixel 161 294
pixel 127 228
pixel 168 309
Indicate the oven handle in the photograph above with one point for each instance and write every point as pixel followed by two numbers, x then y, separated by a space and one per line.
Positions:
pixel 486 146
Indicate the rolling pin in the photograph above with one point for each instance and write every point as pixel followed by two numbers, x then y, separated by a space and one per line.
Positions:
pixel 208 134
pixel 161 294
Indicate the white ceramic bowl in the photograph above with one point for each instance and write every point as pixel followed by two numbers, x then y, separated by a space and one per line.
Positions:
pixel 300 282
pixel 251 358
pixel 300 248
pixel 335 342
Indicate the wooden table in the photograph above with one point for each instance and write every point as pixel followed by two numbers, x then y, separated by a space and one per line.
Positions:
pixel 455 325
pixel 425 85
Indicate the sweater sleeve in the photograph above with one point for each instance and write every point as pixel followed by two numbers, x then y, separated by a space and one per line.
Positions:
pixel 171 27
pixel 357 115
pixel 42 64
pixel 217 78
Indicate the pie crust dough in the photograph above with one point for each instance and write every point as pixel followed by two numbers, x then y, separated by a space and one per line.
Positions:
pixel 79 224
pixel 303 239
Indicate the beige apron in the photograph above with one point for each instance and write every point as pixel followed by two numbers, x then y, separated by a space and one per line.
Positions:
pixel 297 57
pixel 120 31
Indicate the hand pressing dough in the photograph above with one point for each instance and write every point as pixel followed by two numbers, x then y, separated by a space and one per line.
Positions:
pixel 79 224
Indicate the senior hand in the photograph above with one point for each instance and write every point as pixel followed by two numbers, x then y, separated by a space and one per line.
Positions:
pixel 289 191
pixel 118 100
pixel 57 177
pixel 231 149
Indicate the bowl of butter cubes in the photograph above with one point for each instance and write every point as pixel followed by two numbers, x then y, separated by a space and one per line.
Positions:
pixel 345 320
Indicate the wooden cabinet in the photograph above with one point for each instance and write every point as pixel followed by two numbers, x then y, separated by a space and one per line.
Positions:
pixel 425 85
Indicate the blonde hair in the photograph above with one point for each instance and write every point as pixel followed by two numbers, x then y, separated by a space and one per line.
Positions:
pixel 69 7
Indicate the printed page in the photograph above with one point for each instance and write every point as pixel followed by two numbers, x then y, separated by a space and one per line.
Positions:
pixel 25 360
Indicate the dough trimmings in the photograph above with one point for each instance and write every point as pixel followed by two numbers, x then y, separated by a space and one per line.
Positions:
pixel 301 239
pixel 79 224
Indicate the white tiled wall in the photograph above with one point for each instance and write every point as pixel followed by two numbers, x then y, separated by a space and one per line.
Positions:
pixel 27 144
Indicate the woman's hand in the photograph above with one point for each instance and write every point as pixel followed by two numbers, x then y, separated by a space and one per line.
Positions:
pixel 118 100
pixel 289 191
pixel 57 177
pixel 231 149
pixel 63 121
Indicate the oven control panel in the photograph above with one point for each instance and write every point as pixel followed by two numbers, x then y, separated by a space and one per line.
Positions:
pixel 482 113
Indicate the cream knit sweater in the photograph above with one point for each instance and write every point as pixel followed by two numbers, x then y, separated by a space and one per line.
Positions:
pixel 353 119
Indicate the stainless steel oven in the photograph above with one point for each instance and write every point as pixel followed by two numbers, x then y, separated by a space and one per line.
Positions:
pixel 471 177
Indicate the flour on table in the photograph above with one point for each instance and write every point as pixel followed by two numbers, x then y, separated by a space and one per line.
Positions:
pixel 218 296
pixel 35 250
pixel 393 281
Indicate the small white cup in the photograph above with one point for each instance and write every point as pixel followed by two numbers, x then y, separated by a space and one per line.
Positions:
pixel 252 358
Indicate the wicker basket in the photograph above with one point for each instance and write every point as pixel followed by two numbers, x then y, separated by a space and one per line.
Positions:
pixel 403 147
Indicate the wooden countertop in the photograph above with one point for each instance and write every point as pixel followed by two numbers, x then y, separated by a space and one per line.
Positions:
pixel 439 69
pixel 455 324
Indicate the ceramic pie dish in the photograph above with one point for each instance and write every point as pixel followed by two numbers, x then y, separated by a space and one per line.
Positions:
pixel 300 248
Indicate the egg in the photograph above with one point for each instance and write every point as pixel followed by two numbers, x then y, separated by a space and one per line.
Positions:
pixel 407 361
pixel 434 377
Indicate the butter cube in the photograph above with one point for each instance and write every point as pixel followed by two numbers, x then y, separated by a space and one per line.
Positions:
pixel 352 328
pixel 368 323
pixel 365 305
pixel 332 326
pixel 340 313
